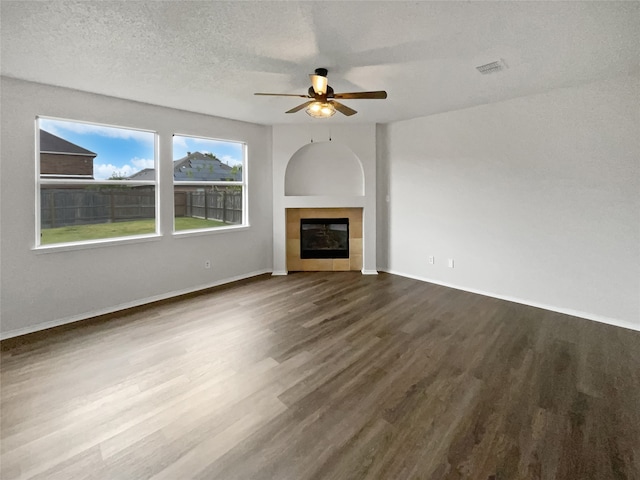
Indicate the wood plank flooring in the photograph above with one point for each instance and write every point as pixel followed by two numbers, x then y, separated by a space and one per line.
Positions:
pixel 324 376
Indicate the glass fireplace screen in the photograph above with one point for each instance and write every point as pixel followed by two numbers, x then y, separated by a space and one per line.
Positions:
pixel 324 238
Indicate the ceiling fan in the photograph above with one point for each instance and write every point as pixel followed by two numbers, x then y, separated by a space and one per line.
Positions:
pixel 323 102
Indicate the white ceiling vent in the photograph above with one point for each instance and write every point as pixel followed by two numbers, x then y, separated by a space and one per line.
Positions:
pixel 492 67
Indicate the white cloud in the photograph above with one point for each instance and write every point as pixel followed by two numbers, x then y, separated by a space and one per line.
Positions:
pixel 50 127
pixel 179 141
pixel 57 127
pixel 102 171
pixel 211 142
pixel 141 163
pixel 229 160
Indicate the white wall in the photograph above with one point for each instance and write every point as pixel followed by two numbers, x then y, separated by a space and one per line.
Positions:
pixel 43 289
pixel 383 198
pixel 324 168
pixel 361 141
pixel 537 199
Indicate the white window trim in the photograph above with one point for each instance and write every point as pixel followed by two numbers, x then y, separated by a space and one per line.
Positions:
pixel 63 176
pixel 98 243
pixel 244 184
pixel 37 246
pixel 87 182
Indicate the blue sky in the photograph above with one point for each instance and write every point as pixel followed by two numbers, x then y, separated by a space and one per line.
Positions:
pixel 126 151
pixel 227 152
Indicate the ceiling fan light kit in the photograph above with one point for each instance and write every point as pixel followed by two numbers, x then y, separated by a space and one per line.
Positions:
pixel 321 110
pixel 323 103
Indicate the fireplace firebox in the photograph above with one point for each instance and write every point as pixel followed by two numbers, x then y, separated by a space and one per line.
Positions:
pixel 324 238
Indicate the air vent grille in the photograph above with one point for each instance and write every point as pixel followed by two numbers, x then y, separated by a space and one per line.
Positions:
pixel 492 67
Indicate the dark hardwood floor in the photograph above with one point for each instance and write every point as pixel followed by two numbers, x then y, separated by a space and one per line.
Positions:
pixel 324 376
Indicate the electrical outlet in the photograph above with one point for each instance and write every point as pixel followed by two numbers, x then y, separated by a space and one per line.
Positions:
pixel 207 264
pixel 431 259
pixel 451 263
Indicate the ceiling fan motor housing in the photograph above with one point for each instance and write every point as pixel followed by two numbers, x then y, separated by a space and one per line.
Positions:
pixel 312 93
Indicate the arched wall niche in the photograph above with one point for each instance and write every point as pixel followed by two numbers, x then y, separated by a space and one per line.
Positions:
pixel 324 168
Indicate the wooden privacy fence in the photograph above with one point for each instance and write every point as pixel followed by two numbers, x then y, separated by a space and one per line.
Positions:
pixel 66 207
pixel 223 206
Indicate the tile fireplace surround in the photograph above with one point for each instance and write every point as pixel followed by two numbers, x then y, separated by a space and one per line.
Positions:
pixel 297 264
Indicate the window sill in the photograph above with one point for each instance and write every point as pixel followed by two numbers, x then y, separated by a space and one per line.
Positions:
pixel 210 231
pixel 107 242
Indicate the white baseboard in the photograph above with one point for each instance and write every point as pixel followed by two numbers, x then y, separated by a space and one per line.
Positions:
pixel 369 272
pixel 552 308
pixel 124 306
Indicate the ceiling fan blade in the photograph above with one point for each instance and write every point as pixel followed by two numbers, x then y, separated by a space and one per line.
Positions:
pixel 283 95
pixel 319 84
pixel 379 94
pixel 343 108
pixel 300 107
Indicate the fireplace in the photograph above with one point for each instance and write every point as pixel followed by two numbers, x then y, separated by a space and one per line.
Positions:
pixel 349 239
pixel 324 238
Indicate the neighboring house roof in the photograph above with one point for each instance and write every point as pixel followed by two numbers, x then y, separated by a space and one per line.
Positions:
pixel 144 174
pixel 50 143
pixel 195 167
pixel 198 166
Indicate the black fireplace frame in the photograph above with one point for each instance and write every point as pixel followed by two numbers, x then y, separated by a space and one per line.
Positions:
pixel 312 253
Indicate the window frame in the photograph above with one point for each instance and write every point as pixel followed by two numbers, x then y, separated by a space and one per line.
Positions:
pixel 243 184
pixel 84 182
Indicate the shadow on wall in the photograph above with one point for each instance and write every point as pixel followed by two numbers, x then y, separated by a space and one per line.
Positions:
pixel 324 168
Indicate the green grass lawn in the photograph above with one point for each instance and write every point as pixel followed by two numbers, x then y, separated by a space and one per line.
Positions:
pixel 190 223
pixel 97 231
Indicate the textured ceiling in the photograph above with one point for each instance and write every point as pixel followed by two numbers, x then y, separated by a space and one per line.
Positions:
pixel 210 57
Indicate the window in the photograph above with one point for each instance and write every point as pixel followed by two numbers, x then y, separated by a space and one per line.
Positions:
pixel 95 182
pixel 209 183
